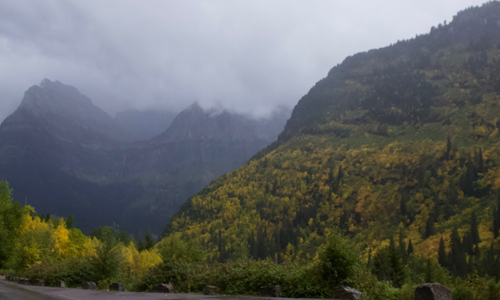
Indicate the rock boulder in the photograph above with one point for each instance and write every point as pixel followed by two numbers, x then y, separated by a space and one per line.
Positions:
pixel 270 291
pixel 89 285
pixel 345 292
pixel 432 291
pixel 116 286
pixel 163 288
pixel 210 290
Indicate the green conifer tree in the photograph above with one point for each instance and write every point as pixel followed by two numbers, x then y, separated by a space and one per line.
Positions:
pixel 149 242
pixel 474 231
pixel 397 268
pixel 442 253
pixel 410 248
pixel 70 222
pixel 429 227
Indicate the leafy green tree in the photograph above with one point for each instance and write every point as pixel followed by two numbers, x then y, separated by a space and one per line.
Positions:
pixel 107 262
pixel 11 214
pixel 174 248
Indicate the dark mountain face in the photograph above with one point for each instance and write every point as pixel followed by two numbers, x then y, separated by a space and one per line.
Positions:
pixel 397 143
pixel 142 125
pixel 66 156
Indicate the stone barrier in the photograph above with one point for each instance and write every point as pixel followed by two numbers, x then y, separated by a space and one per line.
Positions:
pixel 270 291
pixel 210 290
pixel 345 292
pixel 24 281
pixel 116 286
pixel 39 282
pixel 89 285
pixel 432 291
pixel 163 288
pixel 62 284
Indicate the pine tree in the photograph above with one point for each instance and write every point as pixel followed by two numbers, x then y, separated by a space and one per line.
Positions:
pixel 428 271
pixel 70 222
pixel 410 248
pixel 442 253
pixel 480 162
pixel 474 232
pixel 397 269
pixel 467 245
pixel 496 223
pixel 149 241
pixel 496 218
pixel 369 264
pixel 402 248
pixel 340 176
pixel 141 246
pixel 403 206
pixel 429 227
pixel 457 260
pixel 449 147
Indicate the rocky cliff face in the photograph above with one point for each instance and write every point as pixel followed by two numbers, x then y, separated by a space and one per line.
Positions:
pixel 66 156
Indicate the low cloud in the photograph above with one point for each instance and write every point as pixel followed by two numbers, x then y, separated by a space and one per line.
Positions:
pixel 246 56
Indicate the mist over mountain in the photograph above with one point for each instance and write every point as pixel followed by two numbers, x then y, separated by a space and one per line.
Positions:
pixel 64 155
pixel 143 125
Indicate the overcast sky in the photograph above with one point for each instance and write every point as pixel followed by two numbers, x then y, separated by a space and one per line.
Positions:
pixel 248 56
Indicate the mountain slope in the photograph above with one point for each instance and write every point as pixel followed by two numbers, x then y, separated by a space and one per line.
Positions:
pixel 400 142
pixel 63 155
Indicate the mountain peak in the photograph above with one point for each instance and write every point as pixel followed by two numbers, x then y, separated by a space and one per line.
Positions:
pixel 64 112
pixel 55 97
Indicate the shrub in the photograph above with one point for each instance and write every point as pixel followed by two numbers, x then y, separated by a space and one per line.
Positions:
pixel 340 261
pixel 72 271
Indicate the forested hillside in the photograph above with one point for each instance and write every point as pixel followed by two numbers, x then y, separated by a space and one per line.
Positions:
pixel 399 147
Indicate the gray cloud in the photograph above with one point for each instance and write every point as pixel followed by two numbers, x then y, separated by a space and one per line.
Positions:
pixel 247 56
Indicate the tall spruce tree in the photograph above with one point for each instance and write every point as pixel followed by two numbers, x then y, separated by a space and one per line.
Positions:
pixel 480 162
pixel 457 259
pixel 397 268
pixel 449 147
pixel 149 242
pixel 429 227
pixel 442 253
pixel 496 218
pixel 410 248
pixel 474 231
pixel 402 248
